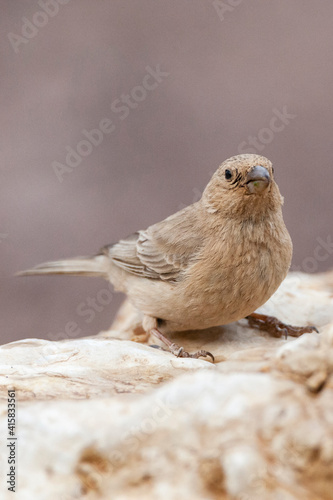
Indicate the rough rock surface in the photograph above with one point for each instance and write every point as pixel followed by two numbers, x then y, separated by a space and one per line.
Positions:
pixel 108 418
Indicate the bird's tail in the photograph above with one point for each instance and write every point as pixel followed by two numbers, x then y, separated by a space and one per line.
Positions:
pixel 80 266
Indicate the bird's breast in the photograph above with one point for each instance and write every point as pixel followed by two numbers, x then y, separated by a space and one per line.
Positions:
pixel 233 279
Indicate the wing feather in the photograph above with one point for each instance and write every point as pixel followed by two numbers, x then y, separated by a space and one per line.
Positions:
pixel 160 252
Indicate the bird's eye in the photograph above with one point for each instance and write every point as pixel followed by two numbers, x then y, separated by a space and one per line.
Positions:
pixel 227 174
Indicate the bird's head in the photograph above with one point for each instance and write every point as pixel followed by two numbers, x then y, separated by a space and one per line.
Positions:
pixel 243 186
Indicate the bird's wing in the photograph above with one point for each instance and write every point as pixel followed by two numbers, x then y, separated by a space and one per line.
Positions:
pixel 163 251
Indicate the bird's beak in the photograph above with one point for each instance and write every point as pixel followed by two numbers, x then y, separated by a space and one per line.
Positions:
pixel 257 180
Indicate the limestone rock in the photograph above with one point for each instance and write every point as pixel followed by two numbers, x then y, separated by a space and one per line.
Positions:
pixel 105 417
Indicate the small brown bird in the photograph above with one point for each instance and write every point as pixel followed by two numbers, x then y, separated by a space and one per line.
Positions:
pixel 210 264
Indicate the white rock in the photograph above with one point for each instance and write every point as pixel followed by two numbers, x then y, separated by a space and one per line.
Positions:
pixel 104 417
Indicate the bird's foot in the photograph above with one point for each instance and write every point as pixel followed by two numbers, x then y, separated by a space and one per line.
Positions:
pixel 179 351
pixel 276 327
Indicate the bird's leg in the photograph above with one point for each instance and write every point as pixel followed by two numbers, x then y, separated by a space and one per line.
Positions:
pixel 277 328
pixel 176 349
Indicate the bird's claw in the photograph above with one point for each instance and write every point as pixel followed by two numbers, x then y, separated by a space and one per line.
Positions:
pixel 177 350
pixel 276 327
pixel 180 353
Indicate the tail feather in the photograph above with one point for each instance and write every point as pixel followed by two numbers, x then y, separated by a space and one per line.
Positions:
pixel 80 266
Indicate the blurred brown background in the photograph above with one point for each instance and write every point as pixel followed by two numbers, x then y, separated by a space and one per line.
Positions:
pixel 231 69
